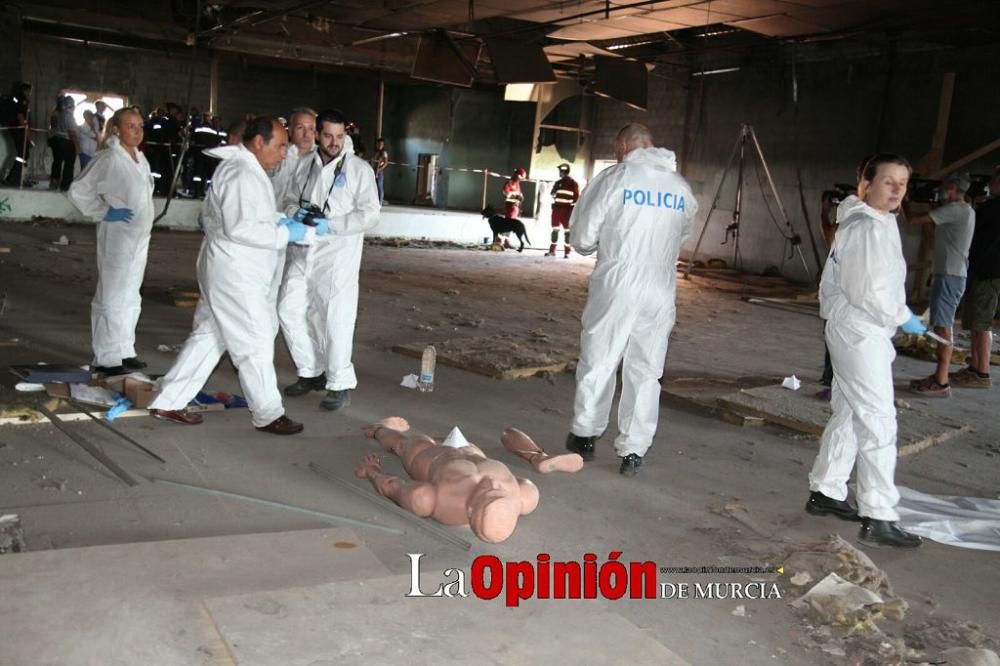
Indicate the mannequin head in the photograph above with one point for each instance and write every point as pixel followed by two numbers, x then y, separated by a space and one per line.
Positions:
pixel 493 511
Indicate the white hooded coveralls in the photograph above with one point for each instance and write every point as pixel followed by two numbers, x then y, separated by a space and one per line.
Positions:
pixel 114 180
pixel 292 297
pixel 863 299
pixel 329 274
pixel 239 268
pixel 636 215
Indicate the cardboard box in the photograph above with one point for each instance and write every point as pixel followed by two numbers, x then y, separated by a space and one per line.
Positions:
pixel 138 392
pixel 57 391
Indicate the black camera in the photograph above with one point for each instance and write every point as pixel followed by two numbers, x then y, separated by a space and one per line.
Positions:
pixel 312 212
pixel 839 192
pixel 924 190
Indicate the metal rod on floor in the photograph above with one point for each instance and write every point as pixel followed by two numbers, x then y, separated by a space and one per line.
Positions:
pixel 110 427
pixel 331 517
pixel 391 506
pixel 101 457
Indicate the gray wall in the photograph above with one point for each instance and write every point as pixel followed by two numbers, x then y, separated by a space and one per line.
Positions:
pixel 148 79
pixel 468 129
pixel 838 119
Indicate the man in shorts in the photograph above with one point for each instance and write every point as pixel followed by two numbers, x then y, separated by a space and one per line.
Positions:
pixel 954 221
pixel 982 292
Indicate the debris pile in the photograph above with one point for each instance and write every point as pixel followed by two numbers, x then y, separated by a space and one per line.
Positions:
pixel 849 610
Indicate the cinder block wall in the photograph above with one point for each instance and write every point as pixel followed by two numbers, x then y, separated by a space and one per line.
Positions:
pixel 850 103
pixel 467 128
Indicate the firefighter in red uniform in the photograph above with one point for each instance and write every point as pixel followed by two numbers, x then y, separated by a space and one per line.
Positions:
pixel 565 192
pixel 512 194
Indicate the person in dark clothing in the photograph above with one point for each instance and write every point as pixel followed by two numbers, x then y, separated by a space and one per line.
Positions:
pixel 14 117
pixel 982 293
pixel 64 144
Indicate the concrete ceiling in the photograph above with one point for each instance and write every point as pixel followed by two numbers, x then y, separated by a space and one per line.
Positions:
pixel 383 34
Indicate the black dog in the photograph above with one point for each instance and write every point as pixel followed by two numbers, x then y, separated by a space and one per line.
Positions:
pixel 502 226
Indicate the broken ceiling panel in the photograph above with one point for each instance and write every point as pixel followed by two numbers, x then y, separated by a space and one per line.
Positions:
pixel 778 26
pixel 641 25
pixel 568 50
pixel 592 31
pixel 594 9
pixel 690 16
pixel 753 8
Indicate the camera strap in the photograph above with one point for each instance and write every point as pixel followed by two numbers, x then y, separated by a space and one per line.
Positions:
pixel 336 174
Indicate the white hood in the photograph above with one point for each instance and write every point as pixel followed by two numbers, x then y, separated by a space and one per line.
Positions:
pixel 853 210
pixel 223 152
pixel 656 157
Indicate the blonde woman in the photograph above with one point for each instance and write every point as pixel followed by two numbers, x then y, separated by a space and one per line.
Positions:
pixel 863 299
pixel 116 190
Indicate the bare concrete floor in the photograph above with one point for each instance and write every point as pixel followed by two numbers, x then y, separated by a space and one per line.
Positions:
pixel 674 512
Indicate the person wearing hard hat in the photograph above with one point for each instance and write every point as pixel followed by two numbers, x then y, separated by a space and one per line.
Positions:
pixel 565 192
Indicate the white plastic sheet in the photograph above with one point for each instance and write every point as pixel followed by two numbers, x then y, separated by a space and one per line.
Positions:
pixel 966 522
pixel 409 381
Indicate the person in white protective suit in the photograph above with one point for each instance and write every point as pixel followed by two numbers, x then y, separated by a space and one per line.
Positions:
pixel 863 299
pixel 116 191
pixel 292 298
pixel 301 144
pixel 636 215
pixel 340 187
pixel 239 271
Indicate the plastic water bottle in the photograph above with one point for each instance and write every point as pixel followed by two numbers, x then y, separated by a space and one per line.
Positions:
pixel 426 382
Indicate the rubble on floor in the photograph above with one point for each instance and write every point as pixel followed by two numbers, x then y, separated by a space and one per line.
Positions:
pixel 849 610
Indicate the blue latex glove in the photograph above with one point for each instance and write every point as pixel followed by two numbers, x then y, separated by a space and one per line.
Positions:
pixel 121 405
pixel 285 221
pixel 913 325
pixel 118 215
pixel 300 214
pixel 322 226
pixel 296 232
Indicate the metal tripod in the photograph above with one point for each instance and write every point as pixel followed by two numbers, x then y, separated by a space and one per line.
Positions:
pixel 746 134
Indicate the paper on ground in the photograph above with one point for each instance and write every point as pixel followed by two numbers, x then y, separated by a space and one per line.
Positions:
pixel 409 381
pixel 967 522
pixel 834 590
pixel 792 383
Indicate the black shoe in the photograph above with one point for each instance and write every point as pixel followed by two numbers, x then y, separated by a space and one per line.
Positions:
pixel 630 464
pixel 110 370
pixel 885 533
pixel 305 384
pixel 133 363
pixel 582 445
pixel 821 505
pixel 282 426
pixel 335 400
